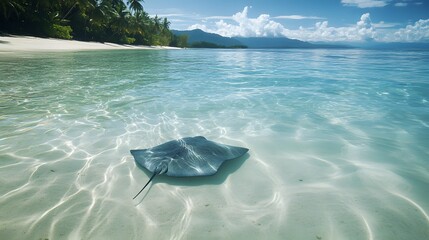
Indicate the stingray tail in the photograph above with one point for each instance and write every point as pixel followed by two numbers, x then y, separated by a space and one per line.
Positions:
pixel 151 178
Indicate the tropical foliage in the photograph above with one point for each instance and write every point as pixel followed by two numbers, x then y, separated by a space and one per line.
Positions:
pixel 116 21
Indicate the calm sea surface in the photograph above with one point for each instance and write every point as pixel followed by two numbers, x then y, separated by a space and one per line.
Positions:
pixel 338 139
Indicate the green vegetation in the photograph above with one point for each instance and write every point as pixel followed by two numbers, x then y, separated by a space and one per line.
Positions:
pixel 179 41
pixel 197 38
pixel 88 20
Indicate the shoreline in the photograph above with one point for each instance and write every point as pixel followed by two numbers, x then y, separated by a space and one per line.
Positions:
pixel 15 43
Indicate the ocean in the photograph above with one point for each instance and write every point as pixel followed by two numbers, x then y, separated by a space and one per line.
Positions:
pixel 338 139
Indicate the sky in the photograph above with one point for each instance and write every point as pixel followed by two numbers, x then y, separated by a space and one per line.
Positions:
pixel 307 20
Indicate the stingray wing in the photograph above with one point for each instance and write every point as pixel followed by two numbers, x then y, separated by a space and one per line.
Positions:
pixel 152 157
pixel 191 156
pixel 201 157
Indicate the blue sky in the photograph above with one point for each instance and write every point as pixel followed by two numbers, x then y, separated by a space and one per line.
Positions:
pixel 309 20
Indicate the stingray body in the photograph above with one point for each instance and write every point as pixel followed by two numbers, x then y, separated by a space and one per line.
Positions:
pixel 186 157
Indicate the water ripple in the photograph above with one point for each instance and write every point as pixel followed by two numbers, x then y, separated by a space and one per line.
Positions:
pixel 337 139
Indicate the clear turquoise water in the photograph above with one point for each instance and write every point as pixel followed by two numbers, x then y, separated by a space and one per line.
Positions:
pixel 338 139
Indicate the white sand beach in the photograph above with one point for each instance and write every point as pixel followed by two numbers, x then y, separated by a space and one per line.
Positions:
pixel 36 44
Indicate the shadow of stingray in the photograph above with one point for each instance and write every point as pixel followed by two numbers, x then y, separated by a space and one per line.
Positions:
pixel 224 171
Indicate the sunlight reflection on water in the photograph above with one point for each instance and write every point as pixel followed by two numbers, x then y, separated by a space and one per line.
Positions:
pixel 338 144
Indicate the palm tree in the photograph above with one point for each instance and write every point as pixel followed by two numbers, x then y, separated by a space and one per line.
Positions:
pixel 165 24
pixel 135 5
pixel 83 6
pixel 156 24
pixel 120 24
pixel 101 20
pixel 142 28
pixel 8 7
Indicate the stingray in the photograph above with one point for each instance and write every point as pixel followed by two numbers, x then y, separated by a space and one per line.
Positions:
pixel 186 157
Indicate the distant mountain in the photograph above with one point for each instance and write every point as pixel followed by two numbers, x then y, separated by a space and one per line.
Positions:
pixel 199 38
pixel 273 42
pixel 284 42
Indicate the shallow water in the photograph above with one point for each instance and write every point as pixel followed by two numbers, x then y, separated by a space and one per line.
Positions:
pixel 338 144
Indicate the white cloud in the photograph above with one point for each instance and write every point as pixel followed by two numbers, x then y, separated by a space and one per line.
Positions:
pixel 363 30
pixel 168 15
pixel 365 3
pixel 401 4
pixel 219 17
pixel 204 28
pixel 413 33
pixel 244 26
pixel 404 3
pixel 261 26
pixel 383 24
pixel 240 24
pixel 297 17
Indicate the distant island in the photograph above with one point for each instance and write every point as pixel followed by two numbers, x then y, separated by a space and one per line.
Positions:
pixel 197 37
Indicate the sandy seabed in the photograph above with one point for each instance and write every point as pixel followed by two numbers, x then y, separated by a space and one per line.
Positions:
pixel 338 144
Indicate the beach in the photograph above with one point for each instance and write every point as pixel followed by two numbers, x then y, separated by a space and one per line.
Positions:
pixel 35 44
